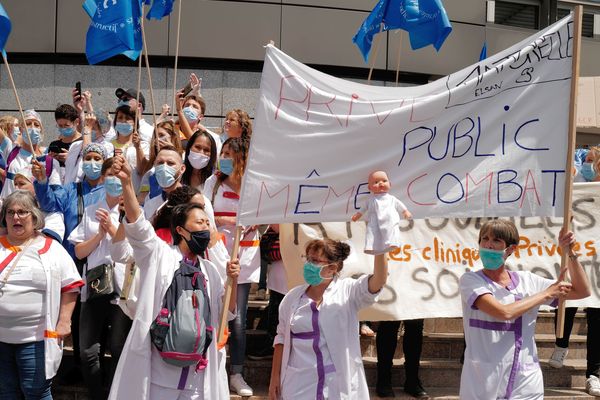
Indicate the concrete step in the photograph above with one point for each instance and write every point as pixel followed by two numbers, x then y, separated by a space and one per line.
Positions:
pixel 451 346
pixel 544 324
pixel 440 377
pixel 261 393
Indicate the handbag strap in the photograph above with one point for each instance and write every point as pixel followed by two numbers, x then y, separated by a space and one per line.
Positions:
pixel 9 258
pixel 79 201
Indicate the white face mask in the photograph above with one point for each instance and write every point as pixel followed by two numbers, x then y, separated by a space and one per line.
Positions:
pixel 198 160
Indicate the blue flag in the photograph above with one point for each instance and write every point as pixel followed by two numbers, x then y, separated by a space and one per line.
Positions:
pixel 90 7
pixel 426 22
pixel 5 27
pixel 483 54
pixel 115 29
pixel 160 9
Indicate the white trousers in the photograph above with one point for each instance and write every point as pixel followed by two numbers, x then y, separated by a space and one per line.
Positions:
pixel 163 393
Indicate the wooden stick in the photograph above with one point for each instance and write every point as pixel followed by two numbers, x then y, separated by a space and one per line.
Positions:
pixel 14 87
pixel 228 286
pixel 560 323
pixel 176 57
pixel 145 48
pixel 374 54
pixel 399 52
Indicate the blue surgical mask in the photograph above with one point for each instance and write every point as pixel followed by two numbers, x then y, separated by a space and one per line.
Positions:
pixel 66 132
pixel 165 175
pixel 587 171
pixel 312 273
pixel 122 103
pixel 16 133
pixel 491 259
pixel 35 134
pixel 191 114
pixel 92 169
pixel 123 128
pixel 226 166
pixel 113 186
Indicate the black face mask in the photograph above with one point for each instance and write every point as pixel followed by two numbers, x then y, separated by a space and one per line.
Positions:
pixel 198 242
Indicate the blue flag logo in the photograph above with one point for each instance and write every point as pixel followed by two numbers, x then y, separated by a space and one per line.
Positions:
pixel 426 22
pixel 5 27
pixel 160 9
pixel 115 29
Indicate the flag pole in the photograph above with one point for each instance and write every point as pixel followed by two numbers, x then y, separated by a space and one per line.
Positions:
pixel 139 80
pixel 374 55
pixel 14 88
pixel 568 197
pixel 398 61
pixel 229 287
pixel 176 56
pixel 145 51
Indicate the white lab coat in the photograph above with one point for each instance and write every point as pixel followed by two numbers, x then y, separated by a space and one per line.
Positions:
pixel 501 358
pixel 157 262
pixel 61 277
pixel 338 320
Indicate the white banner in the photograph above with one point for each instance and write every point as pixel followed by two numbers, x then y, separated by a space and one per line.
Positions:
pixel 424 273
pixel 489 140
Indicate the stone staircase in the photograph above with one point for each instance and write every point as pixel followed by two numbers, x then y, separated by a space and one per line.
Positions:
pixel 440 362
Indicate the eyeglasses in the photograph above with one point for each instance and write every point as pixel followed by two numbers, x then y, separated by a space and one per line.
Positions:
pixel 316 261
pixel 18 213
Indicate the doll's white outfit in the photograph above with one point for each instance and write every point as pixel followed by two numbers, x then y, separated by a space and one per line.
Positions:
pixel 382 213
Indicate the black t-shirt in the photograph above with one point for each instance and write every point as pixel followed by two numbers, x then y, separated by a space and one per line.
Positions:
pixel 58 145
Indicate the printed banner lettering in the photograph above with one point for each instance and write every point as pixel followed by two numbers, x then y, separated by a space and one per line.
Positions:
pixel 424 272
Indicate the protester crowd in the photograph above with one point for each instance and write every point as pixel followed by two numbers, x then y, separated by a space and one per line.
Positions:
pixel 120 232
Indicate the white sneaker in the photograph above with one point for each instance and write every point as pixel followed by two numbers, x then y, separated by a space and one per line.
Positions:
pixel 237 383
pixel 592 386
pixel 558 356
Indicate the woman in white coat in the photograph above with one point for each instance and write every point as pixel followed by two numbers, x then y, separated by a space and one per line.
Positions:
pixel 318 325
pixel 141 372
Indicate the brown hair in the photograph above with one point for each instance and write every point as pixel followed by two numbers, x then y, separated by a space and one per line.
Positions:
pixel 333 250
pixel 244 121
pixel 500 229
pixel 594 153
pixel 239 148
pixel 106 165
pixel 197 99
pixel 6 123
pixel 168 126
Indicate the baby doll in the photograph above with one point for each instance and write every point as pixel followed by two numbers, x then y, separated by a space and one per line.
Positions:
pixel 382 213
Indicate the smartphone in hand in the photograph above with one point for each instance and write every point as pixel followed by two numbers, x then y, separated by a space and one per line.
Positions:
pixel 187 89
pixel 53 148
pixel 78 88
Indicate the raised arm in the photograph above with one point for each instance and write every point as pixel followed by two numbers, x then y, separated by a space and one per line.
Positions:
pixel 122 170
pixel 184 125
pixel 380 273
pixel 579 280
pixel 489 305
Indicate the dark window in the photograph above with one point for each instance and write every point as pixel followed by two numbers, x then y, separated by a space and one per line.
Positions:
pixel 517 14
pixel 587 25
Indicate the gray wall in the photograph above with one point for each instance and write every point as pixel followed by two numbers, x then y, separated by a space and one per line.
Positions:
pixel 313 31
